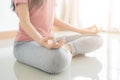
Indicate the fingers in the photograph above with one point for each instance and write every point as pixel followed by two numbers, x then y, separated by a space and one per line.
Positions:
pixel 96 29
pixel 61 42
pixel 92 30
pixel 50 42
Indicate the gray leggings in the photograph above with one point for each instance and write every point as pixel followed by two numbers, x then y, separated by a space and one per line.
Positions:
pixel 53 60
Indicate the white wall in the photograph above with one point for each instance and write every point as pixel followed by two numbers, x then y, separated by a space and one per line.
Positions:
pixel 8 19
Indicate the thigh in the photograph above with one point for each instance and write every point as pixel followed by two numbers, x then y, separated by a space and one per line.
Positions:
pixel 87 43
pixel 69 38
pixel 30 50
pixel 40 57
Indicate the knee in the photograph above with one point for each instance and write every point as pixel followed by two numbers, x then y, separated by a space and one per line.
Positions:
pixel 61 60
pixel 97 41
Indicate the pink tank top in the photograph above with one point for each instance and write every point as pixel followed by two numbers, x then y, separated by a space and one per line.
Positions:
pixel 42 19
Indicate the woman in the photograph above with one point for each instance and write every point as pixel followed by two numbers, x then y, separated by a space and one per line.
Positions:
pixel 35 44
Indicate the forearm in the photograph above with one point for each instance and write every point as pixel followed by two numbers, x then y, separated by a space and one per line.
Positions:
pixel 31 32
pixel 61 24
pixel 26 25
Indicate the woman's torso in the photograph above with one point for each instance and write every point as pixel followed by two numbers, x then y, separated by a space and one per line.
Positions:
pixel 42 19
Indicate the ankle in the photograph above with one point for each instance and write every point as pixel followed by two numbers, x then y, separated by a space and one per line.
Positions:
pixel 68 47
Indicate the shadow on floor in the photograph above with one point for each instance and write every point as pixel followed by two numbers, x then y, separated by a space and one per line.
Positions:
pixel 82 68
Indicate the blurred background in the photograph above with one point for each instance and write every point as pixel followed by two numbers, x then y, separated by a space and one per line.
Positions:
pixel 81 13
pixel 8 19
pixel 102 64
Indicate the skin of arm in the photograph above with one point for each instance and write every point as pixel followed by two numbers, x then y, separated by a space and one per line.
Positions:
pixel 90 30
pixel 61 24
pixel 23 14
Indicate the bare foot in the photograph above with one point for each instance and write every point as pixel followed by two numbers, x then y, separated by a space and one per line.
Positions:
pixel 68 47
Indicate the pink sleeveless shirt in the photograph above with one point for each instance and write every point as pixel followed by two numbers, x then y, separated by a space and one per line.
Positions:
pixel 42 19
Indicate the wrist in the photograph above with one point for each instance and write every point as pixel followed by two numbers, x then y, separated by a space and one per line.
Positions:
pixel 39 41
pixel 80 31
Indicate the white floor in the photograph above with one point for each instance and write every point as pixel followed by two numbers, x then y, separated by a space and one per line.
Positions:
pixel 102 64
